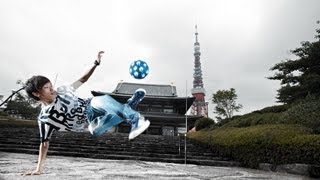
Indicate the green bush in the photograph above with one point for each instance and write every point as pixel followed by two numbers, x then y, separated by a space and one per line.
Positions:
pixel 253 119
pixel 2 113
pixel 274 109
pixel 275 144
pixel 11 122
pixel 222 122
pixel 305 112
pixel 204 123
pixel 268 115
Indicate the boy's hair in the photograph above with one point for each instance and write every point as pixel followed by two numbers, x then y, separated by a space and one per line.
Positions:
pixel 35 84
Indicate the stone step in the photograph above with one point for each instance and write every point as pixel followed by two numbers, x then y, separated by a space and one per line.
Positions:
pixel 180 160
pixel 106 149
pixel 117 151
pixel 114 143
pixel 104 140
pixel 92 151
pixel 111 146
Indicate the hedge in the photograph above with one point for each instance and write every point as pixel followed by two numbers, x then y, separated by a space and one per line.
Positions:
pixel 305 112
pixel 255 118
pixel 275 144
pixel 11 122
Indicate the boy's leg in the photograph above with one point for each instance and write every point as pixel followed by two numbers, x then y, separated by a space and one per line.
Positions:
pixel 136 98
pixel 137 127
pixel 101 116
pixel 102 124
pixel 114 113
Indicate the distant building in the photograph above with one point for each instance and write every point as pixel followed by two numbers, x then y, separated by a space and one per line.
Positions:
pixel 199 106
pixel 161 105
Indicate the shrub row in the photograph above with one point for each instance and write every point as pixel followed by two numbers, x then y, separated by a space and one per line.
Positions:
pixel 11 122
pixel 274 109
pixel 275 144
pixel 304 112
pixel 254 118
pixel 2 113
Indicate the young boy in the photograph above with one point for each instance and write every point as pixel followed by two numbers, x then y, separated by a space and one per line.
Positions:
pixel 64 111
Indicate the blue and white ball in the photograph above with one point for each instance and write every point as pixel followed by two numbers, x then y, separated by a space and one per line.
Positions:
pixel 139 69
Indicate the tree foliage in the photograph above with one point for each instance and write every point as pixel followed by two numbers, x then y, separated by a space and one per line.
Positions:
pixel 22 106
pixel 225 101
pixel 299 77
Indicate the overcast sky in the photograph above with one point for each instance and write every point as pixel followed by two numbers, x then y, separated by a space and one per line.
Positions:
pixel 240 40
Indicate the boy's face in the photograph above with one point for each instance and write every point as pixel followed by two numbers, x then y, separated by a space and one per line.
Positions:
pixel 47 94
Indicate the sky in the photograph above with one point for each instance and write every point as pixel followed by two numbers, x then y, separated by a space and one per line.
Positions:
pixel 240 41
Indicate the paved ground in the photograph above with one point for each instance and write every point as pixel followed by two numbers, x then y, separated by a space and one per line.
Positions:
pixel 67 168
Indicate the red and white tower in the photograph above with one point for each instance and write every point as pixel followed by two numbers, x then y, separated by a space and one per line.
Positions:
pixel 199 106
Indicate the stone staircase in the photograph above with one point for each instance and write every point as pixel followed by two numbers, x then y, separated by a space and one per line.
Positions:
pixel 111 146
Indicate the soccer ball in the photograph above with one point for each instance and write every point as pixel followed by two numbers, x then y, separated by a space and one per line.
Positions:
pixel 139 69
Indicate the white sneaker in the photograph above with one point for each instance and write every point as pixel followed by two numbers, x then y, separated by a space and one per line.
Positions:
pixel 139 127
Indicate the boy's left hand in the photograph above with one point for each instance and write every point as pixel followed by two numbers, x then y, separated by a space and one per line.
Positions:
pixel 30 173
pixel 99 56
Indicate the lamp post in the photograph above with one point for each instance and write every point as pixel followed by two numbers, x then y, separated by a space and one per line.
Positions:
pixel 185 135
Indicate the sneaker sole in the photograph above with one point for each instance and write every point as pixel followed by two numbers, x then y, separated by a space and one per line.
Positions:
pixel 136 133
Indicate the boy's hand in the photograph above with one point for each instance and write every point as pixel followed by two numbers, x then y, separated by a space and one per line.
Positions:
pixel 99 56
pixel 31 173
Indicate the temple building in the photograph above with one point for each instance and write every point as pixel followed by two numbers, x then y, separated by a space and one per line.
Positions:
pixel 199 106
pixel 161 106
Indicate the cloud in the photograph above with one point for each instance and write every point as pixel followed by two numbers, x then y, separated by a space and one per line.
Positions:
pixel 240 41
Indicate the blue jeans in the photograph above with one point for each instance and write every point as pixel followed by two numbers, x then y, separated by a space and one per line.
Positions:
pixel 104 112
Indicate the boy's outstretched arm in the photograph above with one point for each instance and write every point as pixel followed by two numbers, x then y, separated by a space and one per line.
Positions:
pixel 87 75
pixel 43 149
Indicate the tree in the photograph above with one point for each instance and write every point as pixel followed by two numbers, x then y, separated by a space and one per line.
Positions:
pixel 1 97
pixel 225 101
pixel 299 77
pixel 22 106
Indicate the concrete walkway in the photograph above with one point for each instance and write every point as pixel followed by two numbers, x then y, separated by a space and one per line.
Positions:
pixel 69 168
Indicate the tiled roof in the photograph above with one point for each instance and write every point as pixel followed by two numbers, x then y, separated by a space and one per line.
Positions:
pixel 151 89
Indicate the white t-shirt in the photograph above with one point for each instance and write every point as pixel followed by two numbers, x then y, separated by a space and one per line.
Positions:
pixel 66 113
